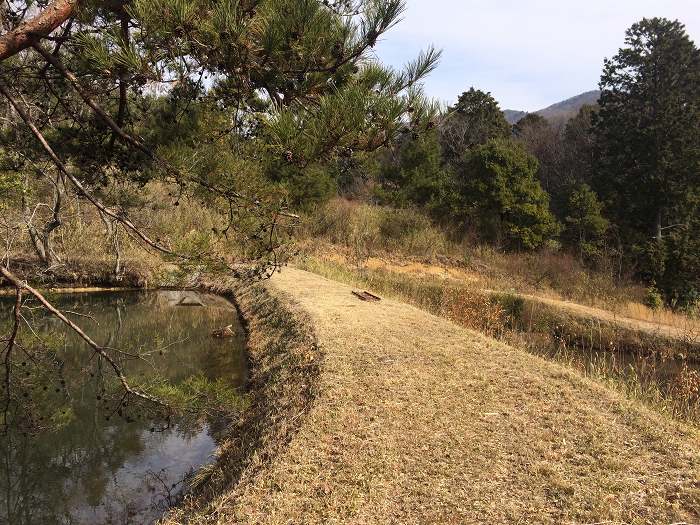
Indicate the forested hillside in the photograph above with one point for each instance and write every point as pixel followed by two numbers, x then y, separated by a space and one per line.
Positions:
pixel 563 110
pixel 617 184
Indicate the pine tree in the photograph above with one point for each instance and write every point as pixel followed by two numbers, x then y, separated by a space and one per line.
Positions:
pixel 475 119
pixel 585 225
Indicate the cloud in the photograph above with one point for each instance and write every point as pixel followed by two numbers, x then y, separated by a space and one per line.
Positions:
pixel 529 54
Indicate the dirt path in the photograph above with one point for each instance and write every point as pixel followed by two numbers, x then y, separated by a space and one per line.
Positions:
pixel 687 333
pixel 420 421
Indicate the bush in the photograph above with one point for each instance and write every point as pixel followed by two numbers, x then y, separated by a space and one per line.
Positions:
pixel 367 230
pixel 513 308
pixel 10 186
pixel 654 300
pixel 399 224
pixel 415 176
pixel 305 188
pixel 309 187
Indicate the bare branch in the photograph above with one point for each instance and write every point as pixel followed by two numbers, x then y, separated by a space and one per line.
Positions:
pixel 78 185
pixel 99 350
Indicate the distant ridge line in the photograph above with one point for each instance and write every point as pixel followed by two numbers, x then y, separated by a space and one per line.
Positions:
pixel 561 110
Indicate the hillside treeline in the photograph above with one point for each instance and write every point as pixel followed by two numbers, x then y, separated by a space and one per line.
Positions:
pixel 618 184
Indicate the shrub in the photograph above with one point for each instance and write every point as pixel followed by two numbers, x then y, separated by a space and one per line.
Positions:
pixel 399 224
pixel 10 186
pixel 513 308
pixel 366 230
pixel 654 299
pixel 308 187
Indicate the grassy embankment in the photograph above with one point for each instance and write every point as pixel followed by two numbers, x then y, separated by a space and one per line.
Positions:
pixel 603 330
pixel 416 420
pixel 284 362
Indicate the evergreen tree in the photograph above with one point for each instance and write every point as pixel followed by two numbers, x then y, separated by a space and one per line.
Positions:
pixel 414 175
pixel 474 120
pixel 648 146
pixel 532 123
pixel 585 226
pixel 499 192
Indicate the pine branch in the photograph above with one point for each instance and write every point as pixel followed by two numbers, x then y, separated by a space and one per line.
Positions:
pixel 41 25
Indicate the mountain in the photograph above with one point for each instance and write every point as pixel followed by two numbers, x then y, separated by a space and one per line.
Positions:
pixel 559 111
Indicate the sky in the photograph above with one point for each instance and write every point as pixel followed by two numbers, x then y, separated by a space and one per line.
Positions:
pixel 528 53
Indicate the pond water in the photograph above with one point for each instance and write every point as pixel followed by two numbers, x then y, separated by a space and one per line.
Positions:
pixel 97 461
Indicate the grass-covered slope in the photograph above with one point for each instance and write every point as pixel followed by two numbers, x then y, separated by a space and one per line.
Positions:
pixel 417 420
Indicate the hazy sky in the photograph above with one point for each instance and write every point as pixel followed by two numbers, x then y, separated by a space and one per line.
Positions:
pixel 528 53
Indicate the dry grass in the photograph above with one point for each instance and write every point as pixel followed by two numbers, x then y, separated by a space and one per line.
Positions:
pixel 82 240
pixel 375 237
pixel 417 420
pixel 363 231
pixel 645 362
pixel 663 316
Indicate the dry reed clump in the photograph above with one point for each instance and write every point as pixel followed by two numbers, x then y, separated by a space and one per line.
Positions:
pixel 475 310
pixel 665 316
pixel 554 274
pixel 284 361
pixel 365 231
pixel 686 386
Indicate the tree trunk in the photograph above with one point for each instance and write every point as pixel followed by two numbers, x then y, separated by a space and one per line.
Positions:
pixel 112 231
pixel 42 240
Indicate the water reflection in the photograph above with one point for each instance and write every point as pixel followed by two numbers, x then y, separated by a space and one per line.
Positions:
pixel 102 463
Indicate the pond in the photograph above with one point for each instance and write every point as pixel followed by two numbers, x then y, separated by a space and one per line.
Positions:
pixel 94 459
